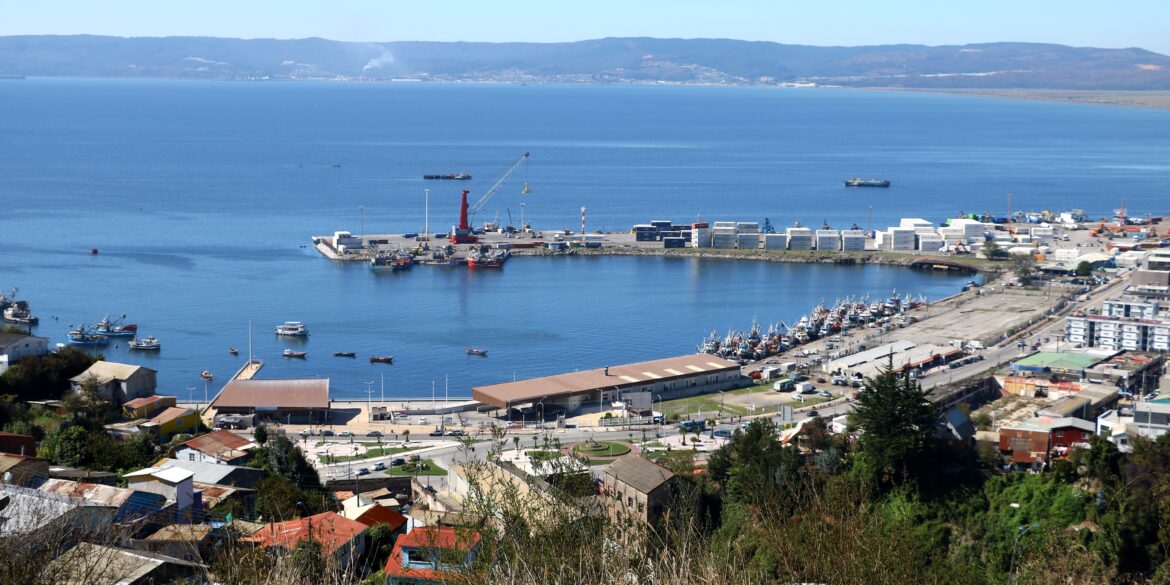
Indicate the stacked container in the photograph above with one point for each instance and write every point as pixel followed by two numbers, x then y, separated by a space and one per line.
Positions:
pixel 852 241
pixel 800 238
pixel 828 241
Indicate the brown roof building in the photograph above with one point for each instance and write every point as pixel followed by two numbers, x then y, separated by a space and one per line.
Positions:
pixel 222 446
pixel 18 444
pixel 667 379
pixel 636 487
pixel 23 471
pixel 296 400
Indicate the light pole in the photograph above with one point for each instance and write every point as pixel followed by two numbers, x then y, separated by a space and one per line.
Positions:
pixel 362 233
pixel 1015 548
pixel 427 215
pixel 369 407
pixel 663 420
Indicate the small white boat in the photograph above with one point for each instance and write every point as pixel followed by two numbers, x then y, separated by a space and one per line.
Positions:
pixel 288 353
pixel 292 329
pixel 149 343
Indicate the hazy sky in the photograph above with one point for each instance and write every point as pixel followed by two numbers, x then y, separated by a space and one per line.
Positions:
pixel 1100 23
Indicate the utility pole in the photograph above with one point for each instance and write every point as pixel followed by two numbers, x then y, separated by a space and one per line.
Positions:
pixel 362 233
pixel 369 407
pixel 427 215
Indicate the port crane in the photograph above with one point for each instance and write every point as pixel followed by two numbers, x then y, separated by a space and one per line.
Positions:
pixel 463 233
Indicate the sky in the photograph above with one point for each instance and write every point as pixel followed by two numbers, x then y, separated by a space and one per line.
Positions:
pixel 1097 23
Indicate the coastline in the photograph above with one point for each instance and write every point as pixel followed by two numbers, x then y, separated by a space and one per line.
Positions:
pixel 1143 99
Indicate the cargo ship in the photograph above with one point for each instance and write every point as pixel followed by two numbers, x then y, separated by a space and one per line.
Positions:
pixel 859 182
pixel 448 177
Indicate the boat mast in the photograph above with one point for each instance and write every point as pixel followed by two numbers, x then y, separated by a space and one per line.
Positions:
pixel 249 342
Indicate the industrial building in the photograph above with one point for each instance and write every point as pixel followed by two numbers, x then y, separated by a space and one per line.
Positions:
pixel 663 379
pixel 303 400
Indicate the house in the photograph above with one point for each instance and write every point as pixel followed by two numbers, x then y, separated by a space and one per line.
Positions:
pixel 189 542
pixel 118 382
pixel 17 346
pixel 431 554
pixel 217 473
pixel 338 536
pixel 147 406
pixel 955 428
pixel 23 471
pixel 89 563
pixel 18 444
pixel 173 421
pixel 362 509
pixel 638 488
pixel 1040 439
pixel 221 446
pixel 50 518
pixel 132 509
pixel 211 495
pixel 173 483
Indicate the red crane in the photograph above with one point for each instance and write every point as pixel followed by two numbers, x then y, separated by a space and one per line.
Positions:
pixel 463 233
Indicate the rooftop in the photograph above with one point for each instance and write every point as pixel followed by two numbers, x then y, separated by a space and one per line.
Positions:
pixel 510 393
pixel 89 563
pixel 107 371
pixel 166 474
pixel 1058 360
pixel 94 493
pixel 213 473
pixel 182 532
pixel 170 414
pixel 332 530
pixel 271 394
pixel 144 401
pixel 221 444
pixel 429 537
pixel 7 339
pixel 639 473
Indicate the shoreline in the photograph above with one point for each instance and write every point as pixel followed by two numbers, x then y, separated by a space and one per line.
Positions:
pixel 1153 99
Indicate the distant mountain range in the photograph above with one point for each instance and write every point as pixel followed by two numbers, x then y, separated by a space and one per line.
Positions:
pixel 611 60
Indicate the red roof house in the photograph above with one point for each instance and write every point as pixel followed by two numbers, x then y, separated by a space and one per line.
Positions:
pixel 431 554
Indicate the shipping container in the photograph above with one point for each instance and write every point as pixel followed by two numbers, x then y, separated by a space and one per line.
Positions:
pixel 673 243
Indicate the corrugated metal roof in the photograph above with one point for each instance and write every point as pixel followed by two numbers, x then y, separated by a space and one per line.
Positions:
pixel 261 394
pixel 221 444
pixel 597 379
pixel 171 414
pixel 167 474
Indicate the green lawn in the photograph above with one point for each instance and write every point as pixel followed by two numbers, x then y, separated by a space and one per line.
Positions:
pixel 708 404
pixel 371 453
pixel 543 455
pixel 434 469
pixel 603 449
pixel 667 456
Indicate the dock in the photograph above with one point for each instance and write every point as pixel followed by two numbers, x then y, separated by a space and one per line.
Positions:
pixel 249 370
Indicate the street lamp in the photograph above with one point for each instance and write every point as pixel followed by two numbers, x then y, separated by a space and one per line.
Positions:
pixel 369 406
pixel 1015 547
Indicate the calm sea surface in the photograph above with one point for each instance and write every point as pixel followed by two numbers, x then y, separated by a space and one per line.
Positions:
pixel 200 196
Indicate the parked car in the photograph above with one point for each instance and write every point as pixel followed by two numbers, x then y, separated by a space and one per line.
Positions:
pixel 307 433
pixel 345 434
pixel 722 434
pixel 825 393
pixel 395 462
pixel 436 433
pixel 363 471
pixel 455 433
pixel 374 434
pixel 326 433
pixel 379 466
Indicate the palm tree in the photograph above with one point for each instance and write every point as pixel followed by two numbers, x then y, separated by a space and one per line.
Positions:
pixel 516 442
pixel 406 435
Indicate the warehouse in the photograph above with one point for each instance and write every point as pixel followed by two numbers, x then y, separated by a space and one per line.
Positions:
pixel 304 400
pixel 664 379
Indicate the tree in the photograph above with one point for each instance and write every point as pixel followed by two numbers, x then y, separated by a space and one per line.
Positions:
pixel 260 433
pixel 755 469
pixel 281 457
pixel 993 251
pixel 45 377
pixel 1084 268
pixel 898 423
pixel 70 447
pixel 405 435
pixel 1024 267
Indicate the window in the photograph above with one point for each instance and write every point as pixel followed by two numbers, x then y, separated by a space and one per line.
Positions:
pixel 1059 433
pixel 191 456
pixel 629 501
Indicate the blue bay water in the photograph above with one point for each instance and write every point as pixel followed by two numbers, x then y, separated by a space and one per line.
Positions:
pixel 200 196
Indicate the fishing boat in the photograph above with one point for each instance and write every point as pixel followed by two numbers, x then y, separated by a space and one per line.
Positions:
pixel 347 354
pixel 381 359
pixel 149 343
pixel 115 328
pixel 288 353
pixel 292 329
pixel 206 375
pixel 485 257
pixel 17 312
pixel 233 351
pixel 448 177
pixel 476 351
pixel 80 336
pixel 392 262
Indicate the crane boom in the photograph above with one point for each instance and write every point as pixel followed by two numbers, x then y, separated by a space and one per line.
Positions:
pixel 479 205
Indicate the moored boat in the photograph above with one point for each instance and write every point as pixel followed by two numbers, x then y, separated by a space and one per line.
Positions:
pixel 115 328
pixel 18 313
pixel 80 336
pixel 206 375
pixel 148 343
pixel 484 257
pixel 233 351
pixel 288 353
pixel 476 351
pixel 292 329
pixel 381 359
pixel 345 354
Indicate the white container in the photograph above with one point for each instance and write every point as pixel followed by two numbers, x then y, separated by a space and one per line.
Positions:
pixel 748 241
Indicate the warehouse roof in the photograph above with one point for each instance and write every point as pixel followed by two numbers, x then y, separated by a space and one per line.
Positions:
pixel 509 393
pixel 274 394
